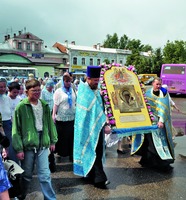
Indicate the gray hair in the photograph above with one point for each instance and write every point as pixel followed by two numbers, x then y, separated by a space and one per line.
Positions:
pixel 158 79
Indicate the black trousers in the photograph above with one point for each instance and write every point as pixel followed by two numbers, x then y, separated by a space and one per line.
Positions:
pixel 150 156
pixel 64 145
pixel 97 173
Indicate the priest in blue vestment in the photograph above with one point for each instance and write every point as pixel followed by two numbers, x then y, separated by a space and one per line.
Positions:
pixel 156 148
pixel 90 127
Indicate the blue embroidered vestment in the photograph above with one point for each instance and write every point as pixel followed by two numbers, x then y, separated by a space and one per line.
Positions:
pixel 89 121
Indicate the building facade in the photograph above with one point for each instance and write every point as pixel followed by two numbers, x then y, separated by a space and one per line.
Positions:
pixel 28 50
pixel 82 56
pixel 48 61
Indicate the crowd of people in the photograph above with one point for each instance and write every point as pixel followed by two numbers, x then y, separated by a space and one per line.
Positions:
pixel 68 119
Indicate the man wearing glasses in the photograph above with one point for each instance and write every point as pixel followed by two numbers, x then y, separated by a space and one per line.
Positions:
pixel 33 133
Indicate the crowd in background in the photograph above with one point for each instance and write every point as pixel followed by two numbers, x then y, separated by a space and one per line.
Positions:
pixel 61 110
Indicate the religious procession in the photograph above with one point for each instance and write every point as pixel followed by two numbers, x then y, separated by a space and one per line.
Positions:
pixel 42 121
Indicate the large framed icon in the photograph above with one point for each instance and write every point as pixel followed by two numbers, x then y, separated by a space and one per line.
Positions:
pixel 124 98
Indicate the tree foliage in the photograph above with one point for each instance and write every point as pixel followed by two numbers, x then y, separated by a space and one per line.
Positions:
pixel 123 42
pixel 111 41
pixel 140 62
pixel 157 61
pixel 107 61
pixel 173 52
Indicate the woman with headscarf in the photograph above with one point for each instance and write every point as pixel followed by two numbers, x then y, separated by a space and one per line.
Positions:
pixel 47 93
pixel 63 115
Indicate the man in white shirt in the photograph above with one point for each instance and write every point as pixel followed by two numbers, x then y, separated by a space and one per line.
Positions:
pixel 14 88
pixel 5 109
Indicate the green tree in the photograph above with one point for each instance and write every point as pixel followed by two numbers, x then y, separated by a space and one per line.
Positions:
pixel 123 42
pixel 157 61
pixel 136 60
pixel 174 52
pixel 111 41
pixel 135 45
pixel 142 64
pixel 146 48
pixel 106 61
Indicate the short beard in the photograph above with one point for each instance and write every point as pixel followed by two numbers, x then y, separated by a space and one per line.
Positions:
pixel 94 87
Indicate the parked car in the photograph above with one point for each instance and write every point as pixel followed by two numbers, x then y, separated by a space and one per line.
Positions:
pixel 149 81
pixel 145 77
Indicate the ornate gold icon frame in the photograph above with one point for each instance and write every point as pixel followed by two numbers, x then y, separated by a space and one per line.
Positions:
pixel 124 99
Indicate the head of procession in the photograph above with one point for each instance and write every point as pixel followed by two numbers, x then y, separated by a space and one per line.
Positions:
pixel 157 83
pixel 93 76
pixel 33 89
pixel 50 85
pixel 3 86
pixel 13 88
pixel 66 80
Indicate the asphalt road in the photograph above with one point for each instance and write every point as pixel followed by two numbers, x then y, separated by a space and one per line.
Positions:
pixel 129 181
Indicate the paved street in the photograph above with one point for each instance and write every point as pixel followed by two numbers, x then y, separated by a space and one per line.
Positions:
pixel 129 181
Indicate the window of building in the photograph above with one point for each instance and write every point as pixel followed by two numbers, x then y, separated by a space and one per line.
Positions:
pixel 19 45
pixel 36 47
pixel 98 61
pixel 91 61
pixel 28 46
pixel 64 61
pixel 121 61
pixel 75 61
pixel 83 61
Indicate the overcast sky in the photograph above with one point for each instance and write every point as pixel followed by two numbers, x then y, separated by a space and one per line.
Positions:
pixel 87 22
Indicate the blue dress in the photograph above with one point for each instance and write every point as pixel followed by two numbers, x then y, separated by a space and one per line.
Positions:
pixel 4 181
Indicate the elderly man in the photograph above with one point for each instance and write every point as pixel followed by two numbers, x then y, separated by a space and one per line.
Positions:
pixel 157 148
pixel 90 126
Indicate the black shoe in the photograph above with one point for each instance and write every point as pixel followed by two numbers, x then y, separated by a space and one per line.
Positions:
pixel 107 182
pixel 166 169
pixel 102 185
pixel 121 151
pixel 146 164
pixel 89 179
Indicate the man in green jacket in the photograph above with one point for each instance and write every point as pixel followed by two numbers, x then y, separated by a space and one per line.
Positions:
pixel 33 133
